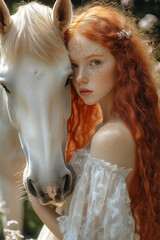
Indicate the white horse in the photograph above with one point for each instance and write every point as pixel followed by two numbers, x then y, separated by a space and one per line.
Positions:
pixel 11 165
pixel 34 70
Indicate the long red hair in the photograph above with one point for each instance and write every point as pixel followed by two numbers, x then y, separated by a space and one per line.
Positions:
pixel 135 101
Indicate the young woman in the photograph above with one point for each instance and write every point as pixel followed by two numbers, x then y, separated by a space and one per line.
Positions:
pixel 117 194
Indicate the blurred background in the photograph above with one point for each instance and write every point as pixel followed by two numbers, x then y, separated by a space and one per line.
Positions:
pixel 147 13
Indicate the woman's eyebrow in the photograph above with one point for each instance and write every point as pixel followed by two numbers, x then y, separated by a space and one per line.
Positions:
pixel 88 57
pixel 93 55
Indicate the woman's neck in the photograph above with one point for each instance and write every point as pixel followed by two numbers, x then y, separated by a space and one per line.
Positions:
pixel 106 105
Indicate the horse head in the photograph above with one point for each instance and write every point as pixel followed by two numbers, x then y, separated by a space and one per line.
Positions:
pixel 34 70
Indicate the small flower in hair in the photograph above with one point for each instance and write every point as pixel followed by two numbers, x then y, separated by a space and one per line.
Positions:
pixel 124 33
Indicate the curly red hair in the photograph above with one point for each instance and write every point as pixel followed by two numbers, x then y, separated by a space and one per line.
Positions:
pixel 135 101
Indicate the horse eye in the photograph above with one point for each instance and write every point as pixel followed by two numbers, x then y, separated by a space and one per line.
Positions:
pixel 68 80
pixel 4 86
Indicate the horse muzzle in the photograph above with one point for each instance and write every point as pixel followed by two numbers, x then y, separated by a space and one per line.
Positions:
pixel 55 193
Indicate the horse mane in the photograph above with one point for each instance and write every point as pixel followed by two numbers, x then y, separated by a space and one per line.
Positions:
pixel 32 31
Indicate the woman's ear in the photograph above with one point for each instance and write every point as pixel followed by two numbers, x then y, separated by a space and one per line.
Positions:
pixel 62 14
pixel 5 18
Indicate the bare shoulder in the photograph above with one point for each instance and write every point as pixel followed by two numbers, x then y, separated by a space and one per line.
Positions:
pixel 114 143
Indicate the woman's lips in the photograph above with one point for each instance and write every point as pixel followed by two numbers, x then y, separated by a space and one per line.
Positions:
pixel 85 92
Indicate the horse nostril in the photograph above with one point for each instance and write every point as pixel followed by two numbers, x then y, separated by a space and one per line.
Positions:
pixel 44 197
pixel 67 183
pixel 31 188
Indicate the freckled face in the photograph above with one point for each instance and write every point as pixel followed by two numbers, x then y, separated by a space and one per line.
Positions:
pixel 93 69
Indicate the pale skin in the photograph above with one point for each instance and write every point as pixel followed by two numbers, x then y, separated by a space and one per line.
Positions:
pixel 93 67
pixel 93 78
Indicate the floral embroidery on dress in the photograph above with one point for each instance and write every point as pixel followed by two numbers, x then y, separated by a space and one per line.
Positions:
pixel 100 205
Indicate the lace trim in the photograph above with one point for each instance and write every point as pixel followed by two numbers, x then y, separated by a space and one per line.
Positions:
pixel 100 204
pixel 83 155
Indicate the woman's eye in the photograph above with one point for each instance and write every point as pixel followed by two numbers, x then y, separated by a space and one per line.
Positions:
pixel 4 86
pixel 95 63
pixel 74 66
pixel 68 80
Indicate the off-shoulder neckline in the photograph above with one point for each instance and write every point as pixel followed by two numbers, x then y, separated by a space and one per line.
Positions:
pixel 84 153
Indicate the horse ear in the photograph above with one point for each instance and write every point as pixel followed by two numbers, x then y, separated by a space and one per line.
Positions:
pixel 5 18
pixel 62 14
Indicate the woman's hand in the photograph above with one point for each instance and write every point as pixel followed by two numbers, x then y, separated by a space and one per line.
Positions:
pixel 47 215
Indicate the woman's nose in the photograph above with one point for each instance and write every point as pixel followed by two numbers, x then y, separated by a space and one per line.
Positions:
pixel 81 76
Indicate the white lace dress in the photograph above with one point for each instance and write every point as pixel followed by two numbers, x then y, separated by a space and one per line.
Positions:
pixel 99 208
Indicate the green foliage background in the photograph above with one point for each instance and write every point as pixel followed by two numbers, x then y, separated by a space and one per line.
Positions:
pixel 32 224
